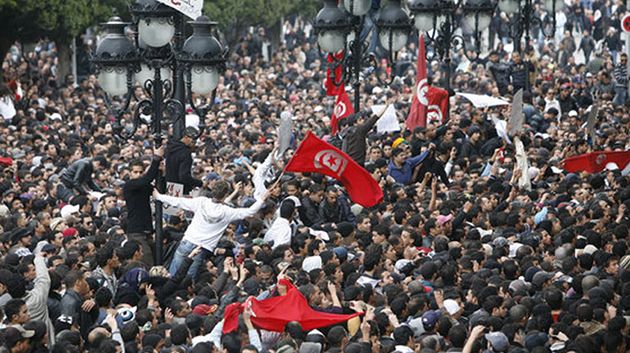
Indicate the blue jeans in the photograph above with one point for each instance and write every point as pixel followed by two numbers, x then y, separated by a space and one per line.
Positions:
pixel 621 96
pixel 183 250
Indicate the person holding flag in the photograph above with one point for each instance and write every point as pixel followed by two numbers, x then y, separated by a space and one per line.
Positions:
pixel 316 156
pixel 355 133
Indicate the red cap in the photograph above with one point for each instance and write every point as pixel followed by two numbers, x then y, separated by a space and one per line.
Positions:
pixel 204 309
pixel 70 232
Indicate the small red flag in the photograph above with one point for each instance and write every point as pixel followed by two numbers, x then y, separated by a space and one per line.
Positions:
pixel 334 82
pixel 595 162
pixel 343 108
pixel 429 103
pixel 275 313
pixel 316 156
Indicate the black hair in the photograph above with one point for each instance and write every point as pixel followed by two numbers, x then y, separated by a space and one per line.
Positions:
pixel 179 334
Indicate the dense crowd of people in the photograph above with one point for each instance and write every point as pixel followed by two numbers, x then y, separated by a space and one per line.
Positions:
pixel 459 256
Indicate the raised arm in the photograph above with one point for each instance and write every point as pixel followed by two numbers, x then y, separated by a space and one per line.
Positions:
pixel 181 202
pixel 258 179
pixel 41 284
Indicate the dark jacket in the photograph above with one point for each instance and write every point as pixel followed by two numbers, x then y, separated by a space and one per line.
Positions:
pixel 137 193
pixel 78 176
pixel 71 305
pixel 354 139
pixel 179 165
pixel 518 74
pixel 309 213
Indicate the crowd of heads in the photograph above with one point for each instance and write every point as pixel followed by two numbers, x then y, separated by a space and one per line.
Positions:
pixel 456 255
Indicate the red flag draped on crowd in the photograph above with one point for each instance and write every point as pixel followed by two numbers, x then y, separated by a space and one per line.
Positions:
pixel 316 156
pixel 332 89
pixel 429 103
pixel 595 162
pixel 275 313
pixel 343 108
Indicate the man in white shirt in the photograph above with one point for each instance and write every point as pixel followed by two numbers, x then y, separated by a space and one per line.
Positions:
pixel 281 231
pixel 211 218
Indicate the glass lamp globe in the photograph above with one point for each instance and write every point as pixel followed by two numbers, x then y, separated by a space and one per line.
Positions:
pixel 204 79
pixel 424 21
pixel 398 39
pixel 146 73
pixel 331 41
pixel 113 80
pixel 156 32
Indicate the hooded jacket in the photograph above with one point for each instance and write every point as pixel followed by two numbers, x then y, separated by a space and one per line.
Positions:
pixel 179 165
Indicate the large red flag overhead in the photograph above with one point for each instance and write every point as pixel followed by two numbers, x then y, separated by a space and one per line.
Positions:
pixel 595 162
pixel 275 313
pixel 429 103
pixel 343 108
pixel 334 80
pixel 316 156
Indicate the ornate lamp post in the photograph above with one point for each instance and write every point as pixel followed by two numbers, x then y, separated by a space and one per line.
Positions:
pixel 168 69
pixel 438 19
pixel 339 28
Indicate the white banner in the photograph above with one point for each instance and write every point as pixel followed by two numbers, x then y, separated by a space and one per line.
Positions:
pixel 389 121
pixel 190 8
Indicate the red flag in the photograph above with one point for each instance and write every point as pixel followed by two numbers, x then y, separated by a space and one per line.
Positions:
pixel 316 156
pixel 429 103
pixel 274 313
pixel 334 82
pixel 595 162
pixel 343 108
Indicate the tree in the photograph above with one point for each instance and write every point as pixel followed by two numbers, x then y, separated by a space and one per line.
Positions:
pixel 58 20
pixel 234 16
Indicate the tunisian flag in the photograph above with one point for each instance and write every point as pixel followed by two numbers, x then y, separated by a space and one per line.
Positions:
pixel 275 313
pixel 343 108
pixel 334 80
pixel 316 156
pixel 595 162
pixel 429 103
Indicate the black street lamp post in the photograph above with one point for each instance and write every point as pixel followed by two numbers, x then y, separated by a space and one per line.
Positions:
pixel 339 28
pixel 438 18
pixel 159 59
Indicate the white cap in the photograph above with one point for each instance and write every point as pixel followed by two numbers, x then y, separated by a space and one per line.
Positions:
pixel 312 263
pixel 612 166
pixel 451 306
pixel 68 210
pixel 55 116
pixel 573 113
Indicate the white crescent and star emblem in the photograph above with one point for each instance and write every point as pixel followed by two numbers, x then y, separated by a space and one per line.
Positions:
pixel 434 114
pixel 340 109
pixel 331 160
pixel 600 159
pixel 421 92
